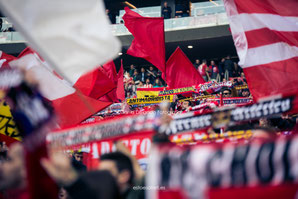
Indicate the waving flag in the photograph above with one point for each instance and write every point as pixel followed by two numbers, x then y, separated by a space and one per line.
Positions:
pixel 265 34
pixel 94 84
pixel 180 72
pixel 73 36
pixel 120 85
pixel 71 106
pixel 5 59
pixel 149 38
pixel 110 71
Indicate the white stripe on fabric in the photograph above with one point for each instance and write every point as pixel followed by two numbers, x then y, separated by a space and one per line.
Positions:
pixel 271 21
pixel 269 53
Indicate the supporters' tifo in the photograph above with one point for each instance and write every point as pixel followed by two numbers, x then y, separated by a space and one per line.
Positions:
pixel 177 99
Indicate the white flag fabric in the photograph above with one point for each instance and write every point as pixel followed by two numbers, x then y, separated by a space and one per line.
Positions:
pixel 73 36
pixel 70 105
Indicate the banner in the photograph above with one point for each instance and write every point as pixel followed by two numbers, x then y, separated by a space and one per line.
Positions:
pixel 7 124
pixel 241 87
pixel 232 100
pixel 177 91
pixel 150 100
pixel 148 92
pixel 213 85
pixel 106 129
pixel 138 144
pixel 204 136
pixel 193 170
pixel 229 116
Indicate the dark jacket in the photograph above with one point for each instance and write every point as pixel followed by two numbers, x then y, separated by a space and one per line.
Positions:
pixel 166 12
pixel 94 185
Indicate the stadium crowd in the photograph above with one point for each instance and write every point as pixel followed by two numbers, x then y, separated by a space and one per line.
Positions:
pixel 225 70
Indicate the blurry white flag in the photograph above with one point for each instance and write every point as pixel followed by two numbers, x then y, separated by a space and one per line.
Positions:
pixel 73 36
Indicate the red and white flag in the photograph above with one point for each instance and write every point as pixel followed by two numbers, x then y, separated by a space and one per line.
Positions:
pixel 73 36
pixel 5 59
pixel 71 106
pixel 265 34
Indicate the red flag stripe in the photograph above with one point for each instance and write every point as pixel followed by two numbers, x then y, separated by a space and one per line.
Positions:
pixel 273 78
pixel 72 110
pixel 278 7
pixel 265 36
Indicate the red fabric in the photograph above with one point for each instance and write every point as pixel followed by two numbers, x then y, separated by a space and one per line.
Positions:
pixel 278 7
pixel 286 191
pixel 95 84
pixel 40 185
pixel 273 78
pixel 266 36
pixel 7 139
pixel 5 59
pixel 149 39
pixel 110 71
pixel 271 71
pixel 73 110
pixel 180 72
pixel 16 194
pixel 120 85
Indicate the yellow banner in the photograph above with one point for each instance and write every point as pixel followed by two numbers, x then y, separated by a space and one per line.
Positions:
pixel 150 100
pixel 176 91
pixel 241 87
pixel 7 124
pixel 142 94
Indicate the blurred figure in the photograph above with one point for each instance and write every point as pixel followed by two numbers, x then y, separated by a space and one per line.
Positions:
pixel 136 76
pixel 140 85
pixel 143 75
pixel 148 84
pixel 166 11
pixel 157 83
pixel 264 133
pixel 226 93
pixel 197 64
pixel 245 93
pixel 221 67
pixel 213 71
pixel 63 194
pixel 186 105
pixel 112 18
pixel 121 168
pixel 228 67
pixel 91 185
pixel 3 151
pixel 237 70
pixel 203 70
pixel 1 23
pixel 152 71
pixel 132 70
pixel 77 161
pixel 13 173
